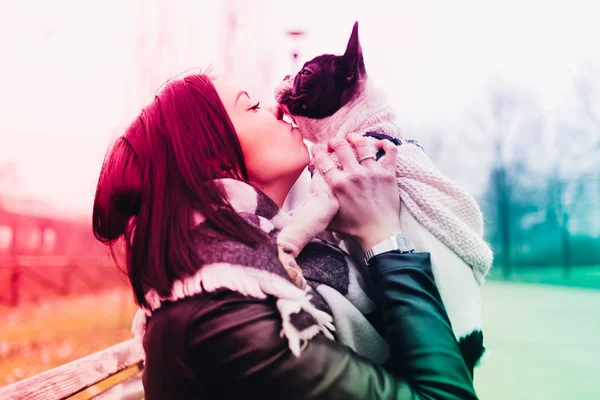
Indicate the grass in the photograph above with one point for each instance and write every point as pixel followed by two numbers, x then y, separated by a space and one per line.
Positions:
pixel 580 276
pixel 543 342
pixel 36 337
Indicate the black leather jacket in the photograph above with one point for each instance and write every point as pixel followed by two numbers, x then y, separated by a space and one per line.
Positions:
pixel 223 345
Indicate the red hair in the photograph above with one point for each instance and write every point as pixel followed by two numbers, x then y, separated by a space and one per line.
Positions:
pixel 159 172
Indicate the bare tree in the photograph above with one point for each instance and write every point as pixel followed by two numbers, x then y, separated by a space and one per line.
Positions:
pixel 587 88
pixel 541 159
pixel 152 51
pixel 511 124
pixel 577 156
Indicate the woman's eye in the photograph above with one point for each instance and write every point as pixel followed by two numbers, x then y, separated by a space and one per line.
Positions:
pixel 305 72
pixel 254 106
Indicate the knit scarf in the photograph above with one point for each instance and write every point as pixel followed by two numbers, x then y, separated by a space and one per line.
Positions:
pixel 443 207
pixel 334 303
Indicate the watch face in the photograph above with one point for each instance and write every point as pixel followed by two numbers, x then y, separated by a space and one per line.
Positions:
pixel 404 243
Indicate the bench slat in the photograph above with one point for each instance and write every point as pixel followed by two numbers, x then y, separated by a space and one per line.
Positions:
pixel 131 389
pixel 77 375
pixel 113 381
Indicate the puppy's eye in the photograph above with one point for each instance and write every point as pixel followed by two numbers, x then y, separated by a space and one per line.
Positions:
pixel 305 72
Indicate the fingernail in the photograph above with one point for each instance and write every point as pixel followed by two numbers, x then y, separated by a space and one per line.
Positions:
pixel 293 274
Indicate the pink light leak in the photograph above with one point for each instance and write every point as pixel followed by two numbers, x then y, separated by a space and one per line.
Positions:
pixel 74 74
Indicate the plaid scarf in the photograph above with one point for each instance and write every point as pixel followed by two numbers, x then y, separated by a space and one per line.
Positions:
pixel 336 286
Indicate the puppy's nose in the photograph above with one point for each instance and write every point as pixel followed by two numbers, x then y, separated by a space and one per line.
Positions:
pixel 285 78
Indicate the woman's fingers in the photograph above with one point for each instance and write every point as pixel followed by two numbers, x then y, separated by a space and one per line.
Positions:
pixel 347 151
pixel 365 149
pixel 345 154
pixel 391 155
pixel 361 214
pixel 326 165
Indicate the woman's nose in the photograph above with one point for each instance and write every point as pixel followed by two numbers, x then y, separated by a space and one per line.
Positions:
pixel 277 111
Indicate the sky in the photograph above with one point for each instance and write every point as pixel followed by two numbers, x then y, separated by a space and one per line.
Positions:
pixel 72 74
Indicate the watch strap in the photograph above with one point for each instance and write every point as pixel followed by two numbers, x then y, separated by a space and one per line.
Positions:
pixel 399 242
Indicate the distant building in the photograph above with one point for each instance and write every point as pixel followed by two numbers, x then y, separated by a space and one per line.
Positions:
pixel 30 227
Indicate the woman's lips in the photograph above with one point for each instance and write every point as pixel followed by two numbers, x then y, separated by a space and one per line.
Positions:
pixel 293 129
pixel 290 125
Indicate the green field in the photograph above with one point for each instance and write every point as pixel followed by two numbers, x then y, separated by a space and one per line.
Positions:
pixel 544 342
pixel 581 276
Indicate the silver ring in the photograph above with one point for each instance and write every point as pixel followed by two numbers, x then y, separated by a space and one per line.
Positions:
pixel 329 168
pixel 373 156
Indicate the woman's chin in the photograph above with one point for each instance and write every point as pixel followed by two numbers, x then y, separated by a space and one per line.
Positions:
pixel 303 162
pixel 306 152
pixel 296 133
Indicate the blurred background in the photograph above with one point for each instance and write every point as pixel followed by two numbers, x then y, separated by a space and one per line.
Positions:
pixel 504 96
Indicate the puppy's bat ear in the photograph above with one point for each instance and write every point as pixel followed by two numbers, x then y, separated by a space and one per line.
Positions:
pixel 353 57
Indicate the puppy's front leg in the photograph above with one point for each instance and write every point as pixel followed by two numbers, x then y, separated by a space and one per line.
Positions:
pixel 309 219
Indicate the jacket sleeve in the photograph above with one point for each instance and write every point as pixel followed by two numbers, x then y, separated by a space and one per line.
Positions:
pixel 240 353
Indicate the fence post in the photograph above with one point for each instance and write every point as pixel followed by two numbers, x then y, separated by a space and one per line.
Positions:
pixel 503 200
pixel 14 284
pixel 15 273
pixel 565 236
pixel 66 278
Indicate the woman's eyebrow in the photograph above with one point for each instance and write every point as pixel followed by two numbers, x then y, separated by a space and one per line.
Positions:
pixel 240 94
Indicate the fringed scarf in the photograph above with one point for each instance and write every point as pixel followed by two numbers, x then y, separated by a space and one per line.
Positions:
pixel 335 301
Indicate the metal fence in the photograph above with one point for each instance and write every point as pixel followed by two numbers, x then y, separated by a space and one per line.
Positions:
pixel 24 279
pixel 551 224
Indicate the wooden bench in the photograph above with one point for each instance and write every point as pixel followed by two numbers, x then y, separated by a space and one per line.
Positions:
pixel 112 373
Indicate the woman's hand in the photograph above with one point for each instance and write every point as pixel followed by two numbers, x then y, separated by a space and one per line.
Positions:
pixel 367 191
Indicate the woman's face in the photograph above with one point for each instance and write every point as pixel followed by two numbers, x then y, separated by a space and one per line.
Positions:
pixel 274 152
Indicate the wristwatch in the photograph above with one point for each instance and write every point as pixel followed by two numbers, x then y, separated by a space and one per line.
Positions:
pixel 399 242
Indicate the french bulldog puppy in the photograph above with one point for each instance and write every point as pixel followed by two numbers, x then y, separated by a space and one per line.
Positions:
pixel 332 96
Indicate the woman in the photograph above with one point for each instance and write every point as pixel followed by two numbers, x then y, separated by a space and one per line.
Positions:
pixel 194 189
